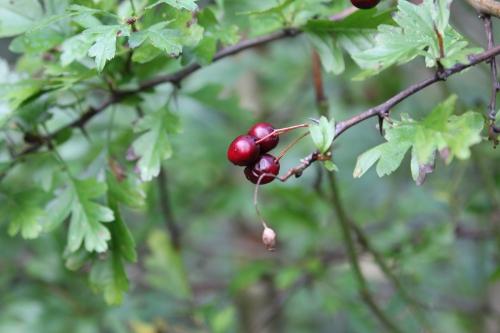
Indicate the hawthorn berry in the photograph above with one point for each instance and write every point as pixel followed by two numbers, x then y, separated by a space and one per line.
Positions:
pixel 261 130
pixel 365 4
pixel 266 164
pixel 243 150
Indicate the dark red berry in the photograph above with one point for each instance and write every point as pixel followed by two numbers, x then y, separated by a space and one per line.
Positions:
pixel 266 164
pixel 365 4
pixel 243 150
pixel 259 131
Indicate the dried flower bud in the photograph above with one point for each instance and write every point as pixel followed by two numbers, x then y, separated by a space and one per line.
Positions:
pixel 131 20
pixel 269 238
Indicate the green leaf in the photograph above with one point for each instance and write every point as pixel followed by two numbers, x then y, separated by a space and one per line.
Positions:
pixel 75 260
pixel 438 131
pixel 277 9
pixel 126 191
pixel 109 276
pixel 167 40
pixel 179 4
pixel 15 94
pixel 75 48
pixel 366 161
pixel 145 53
pixel 227 35
pixel 353 34
pixel 329 52
pixel 205 50
pixel 23 210
pixel 87 216
pixel 416 34
pixel 18 16
pixel 330 166
pixel 98 42
pixel 153 145
pixel 121 238
pixel 37 41
pixel 323 134
pixel 104 47
pixel 365 21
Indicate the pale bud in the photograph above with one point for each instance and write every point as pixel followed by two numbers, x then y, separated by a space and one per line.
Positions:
pixel 269 238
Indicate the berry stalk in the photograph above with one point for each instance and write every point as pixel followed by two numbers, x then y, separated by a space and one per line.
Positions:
pixel 283 130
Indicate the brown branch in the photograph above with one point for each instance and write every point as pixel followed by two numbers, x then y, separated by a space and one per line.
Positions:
pixel 384 108
pixel 341 127
pixel 490 7
pixel 299 169
pixel 176 77
pixel 495 86
pixel 321 100
pixel 78 123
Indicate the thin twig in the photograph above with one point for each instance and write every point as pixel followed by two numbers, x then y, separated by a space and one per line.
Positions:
pixel 166 208
pixel 380 261
pixel 322 105
pixel 495 86
pixel 299 169
pixel 290 146
pixel 384 108
pixel 341 126
pixel 321 100
pixel 354 260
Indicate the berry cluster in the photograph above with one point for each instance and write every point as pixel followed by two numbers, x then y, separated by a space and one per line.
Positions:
pixel 365 4
pixel 251 150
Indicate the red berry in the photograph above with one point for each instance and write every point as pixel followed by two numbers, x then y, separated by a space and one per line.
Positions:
pixel 243 150
pixel 365 4
pixel 266 164
pixel 259 131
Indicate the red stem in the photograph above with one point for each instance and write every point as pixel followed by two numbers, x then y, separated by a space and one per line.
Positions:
pixel 293 143
pixel 279 131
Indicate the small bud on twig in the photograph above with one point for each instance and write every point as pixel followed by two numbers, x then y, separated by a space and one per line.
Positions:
pixel 269 238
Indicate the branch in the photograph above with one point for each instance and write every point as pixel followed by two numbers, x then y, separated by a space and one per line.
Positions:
pixel 176 77
pixel 341 127
pixel 322 105
pixel 354 260
pixel 495 86
pixel 78 123
pixel 166 208
pixel 490 7
pixel 299 169
pixel 321 100
pixel 380 261
pixel 384 108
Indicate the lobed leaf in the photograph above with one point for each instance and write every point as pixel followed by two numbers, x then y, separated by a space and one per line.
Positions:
pixel 153 145
pixel 439 131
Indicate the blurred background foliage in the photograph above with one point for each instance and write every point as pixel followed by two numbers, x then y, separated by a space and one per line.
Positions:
pixel 441 239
